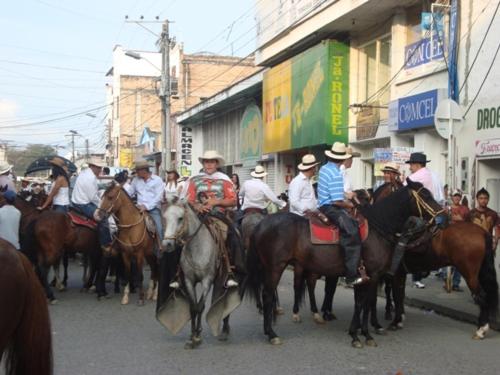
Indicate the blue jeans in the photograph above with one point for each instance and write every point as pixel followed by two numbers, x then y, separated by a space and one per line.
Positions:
pixel 155 214
pixel 455 277
pixel 59 208
pixel 102 226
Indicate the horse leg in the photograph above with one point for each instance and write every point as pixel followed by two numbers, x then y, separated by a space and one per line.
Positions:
pixel 65 265
pixel 311 286
pixel 389 308
pixel 140 278
pixel 355 322
pixel 298 291
pixel 225 329
pixel 57 276
pixel 43 271
pixel 330 288
pixel 126 291
pixel 271 282
pixel 153 282
pixel 370 309
pixel 379 330
pixel 398 290
pixel 206 285
pixel 191 291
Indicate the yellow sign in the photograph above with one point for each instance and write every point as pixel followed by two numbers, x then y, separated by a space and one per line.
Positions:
pixel 126 158
pixel 277 98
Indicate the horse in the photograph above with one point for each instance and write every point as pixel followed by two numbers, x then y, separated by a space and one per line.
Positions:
pixel 46 235
pixel 134 240
pixel 284 238
pixel 201 263
pixel 25 334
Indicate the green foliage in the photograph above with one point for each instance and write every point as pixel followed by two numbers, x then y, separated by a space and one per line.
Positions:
pixel 21 159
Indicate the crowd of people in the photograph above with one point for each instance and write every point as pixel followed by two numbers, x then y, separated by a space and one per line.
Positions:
pixel 213 192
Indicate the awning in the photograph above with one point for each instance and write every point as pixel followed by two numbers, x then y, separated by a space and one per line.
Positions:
pixel 42 164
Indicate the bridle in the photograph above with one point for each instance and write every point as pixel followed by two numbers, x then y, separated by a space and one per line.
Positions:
pixel 109 211
pixel 423 206
pixel 179 235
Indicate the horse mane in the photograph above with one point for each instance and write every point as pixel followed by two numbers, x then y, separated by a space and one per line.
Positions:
pixel 383 188
pixel 389 214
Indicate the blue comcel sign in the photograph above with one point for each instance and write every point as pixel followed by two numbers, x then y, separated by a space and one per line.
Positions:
pixel 423 52
pixel 413 112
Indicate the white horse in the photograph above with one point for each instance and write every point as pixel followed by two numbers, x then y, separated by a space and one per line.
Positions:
pixel 199 261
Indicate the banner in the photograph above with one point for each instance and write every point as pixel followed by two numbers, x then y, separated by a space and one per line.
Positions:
pixel 306 99
pixel 398 155
pixel 251 135
pixel 126 157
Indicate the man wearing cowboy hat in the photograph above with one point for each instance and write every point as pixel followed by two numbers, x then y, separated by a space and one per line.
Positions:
pixel 148 188
pixel 256 194
pixel 212 192
pixel 6 176
pixel 300 191
pixel 85 197
pixel 420 173
pixel 332 203
pixel 391 172
pixel 10 219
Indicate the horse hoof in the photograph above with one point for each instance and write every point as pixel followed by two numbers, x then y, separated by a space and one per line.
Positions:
pixel 392 327
pixel 189 345
pixel 388 316
pixel 279 311
pixel 329 316
pixel 196 341
pixel 223 336
pixel 380 331
pixel 276 341
pixel 296 318
pixel 371 343
pixel 477 337
pixel 140 302
pixel 400 325
pixel 124 301
pixel 92 288
pixel 318 319
pixel 61 288
pixel 357 344
pixel 53 301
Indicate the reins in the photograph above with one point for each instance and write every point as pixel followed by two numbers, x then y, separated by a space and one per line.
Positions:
pixel 424 206
pixel 178 235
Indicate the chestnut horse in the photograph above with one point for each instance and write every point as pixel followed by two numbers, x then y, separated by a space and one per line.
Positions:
pixel 284 238
pixel 25 335
pixel 133 239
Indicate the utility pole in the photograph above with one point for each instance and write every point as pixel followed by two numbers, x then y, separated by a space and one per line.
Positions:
pixel 166 154
pixel 73 134
pixel 87 155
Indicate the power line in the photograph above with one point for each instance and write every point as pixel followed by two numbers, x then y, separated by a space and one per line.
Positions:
pixel 51 66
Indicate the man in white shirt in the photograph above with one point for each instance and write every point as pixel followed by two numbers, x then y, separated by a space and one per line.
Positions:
pixel 10 217
pixel 148 188
pixel 348 189
pixel 300 191
pixel 256 193
pixel 6 177
pixel 85 197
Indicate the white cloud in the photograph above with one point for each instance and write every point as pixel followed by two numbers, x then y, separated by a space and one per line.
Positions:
pixel 8 109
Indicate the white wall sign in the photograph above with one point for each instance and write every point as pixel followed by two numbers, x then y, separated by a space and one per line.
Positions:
pixel 488 147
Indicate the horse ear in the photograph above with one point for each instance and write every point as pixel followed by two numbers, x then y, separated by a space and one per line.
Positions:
pixel 409 182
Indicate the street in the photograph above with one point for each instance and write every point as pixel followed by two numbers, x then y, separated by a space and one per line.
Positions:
pixel 92 337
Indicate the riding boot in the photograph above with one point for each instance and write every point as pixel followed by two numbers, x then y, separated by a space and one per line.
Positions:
pixel 172 268
pixel 399 252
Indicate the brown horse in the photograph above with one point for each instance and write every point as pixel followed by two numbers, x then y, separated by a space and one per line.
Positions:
pixel 25 335
pixel 46 235
pixel 133 239
pixel 463 245
pixel 284 238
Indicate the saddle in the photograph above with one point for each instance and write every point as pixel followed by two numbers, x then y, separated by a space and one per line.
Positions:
pixel 150 225
pixel 323 232
pixel 79 219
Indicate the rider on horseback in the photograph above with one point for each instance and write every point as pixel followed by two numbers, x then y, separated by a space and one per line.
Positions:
pixel 212 192
pixel 331 202
pixel 85 198
pixel 300 191
pixel 256 193
pixel 59 191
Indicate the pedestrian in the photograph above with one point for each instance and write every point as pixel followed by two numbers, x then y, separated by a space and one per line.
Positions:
pixel 149 189
pixel 484 216
pixel 256 194
pixel 6 178
pixel 301 194
pixel 10 218
pixel 237 187
pixel 59 192
pixel 172 186
pixel 332 203
pixel 347 164
pixel 85 198
pixel 458 213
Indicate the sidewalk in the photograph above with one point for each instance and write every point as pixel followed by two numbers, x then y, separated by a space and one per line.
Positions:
pixel 456 305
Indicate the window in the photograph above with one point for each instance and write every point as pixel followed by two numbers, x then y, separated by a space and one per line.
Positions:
pixel 374 70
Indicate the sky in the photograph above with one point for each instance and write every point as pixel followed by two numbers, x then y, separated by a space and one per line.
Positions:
pixel 54 55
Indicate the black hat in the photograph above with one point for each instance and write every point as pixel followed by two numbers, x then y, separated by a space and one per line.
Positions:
pixel 418 157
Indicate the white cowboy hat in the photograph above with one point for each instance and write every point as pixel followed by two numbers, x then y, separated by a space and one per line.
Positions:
pixel 5 167
pixel 212 155
pixel 391 167
pixel 141 164
pixel 98 164
pixel 258 172
pixel 338 152
pixel 308 162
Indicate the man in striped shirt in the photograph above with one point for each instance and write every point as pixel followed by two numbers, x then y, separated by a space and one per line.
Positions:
pixel 331 202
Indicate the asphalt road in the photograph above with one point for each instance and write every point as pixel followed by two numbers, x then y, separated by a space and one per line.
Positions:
pixel 92 337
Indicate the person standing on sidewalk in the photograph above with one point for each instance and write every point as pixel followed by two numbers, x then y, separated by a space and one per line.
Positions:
pixel 458 212
pixel 484 216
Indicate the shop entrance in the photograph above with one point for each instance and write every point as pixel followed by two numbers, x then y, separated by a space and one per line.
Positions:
pixel 488 178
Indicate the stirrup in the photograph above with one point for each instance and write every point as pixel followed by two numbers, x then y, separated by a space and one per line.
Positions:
pixel 231 283
pixel 174 285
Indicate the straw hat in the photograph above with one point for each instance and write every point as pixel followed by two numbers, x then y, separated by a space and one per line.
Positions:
pixel 391 167
pixel 338 152
pixel 258 172
pixel 141 164
pixel 57 161
pixel 5 167
pixel 354 154
pixel 308 162
pixel 97 164
pixel 212 155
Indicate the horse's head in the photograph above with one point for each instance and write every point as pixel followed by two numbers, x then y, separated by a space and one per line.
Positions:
pixel 109 201
pixel 176 225
pixel 362 197
pixel 423 204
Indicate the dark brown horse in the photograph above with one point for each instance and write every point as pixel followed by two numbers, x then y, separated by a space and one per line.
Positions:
pixel 283 239
pixel 25 335
pixel 133 239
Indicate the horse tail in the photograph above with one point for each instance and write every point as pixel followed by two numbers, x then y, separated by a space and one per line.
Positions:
pixel 488 278
pixel 31 349
pixel 255 272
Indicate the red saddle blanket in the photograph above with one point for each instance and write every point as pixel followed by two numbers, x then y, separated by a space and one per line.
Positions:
pixel 328 234
pixel 82 220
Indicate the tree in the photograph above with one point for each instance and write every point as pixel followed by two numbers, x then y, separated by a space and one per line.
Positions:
pixel 21 159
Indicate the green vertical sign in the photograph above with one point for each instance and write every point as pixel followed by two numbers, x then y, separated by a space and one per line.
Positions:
pixel 251 135
pixel 339 93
